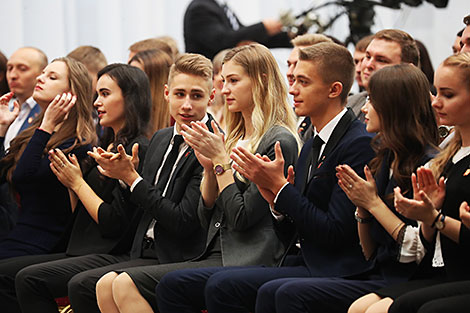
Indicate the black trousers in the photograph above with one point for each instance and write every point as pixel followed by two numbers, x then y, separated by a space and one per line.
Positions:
pixel 38 285
pixel 453 297
pixel 8 270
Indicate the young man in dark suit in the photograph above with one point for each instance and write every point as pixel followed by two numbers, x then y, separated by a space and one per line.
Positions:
pixel 314 206
pixel 168 191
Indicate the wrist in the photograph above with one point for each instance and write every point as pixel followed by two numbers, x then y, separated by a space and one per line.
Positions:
pixel 363 213
pixel 130 179
pixel 431 219
pixel 47 128
pixel 276 186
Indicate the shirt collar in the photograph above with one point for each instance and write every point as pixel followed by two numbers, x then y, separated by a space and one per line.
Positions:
pixel 326 131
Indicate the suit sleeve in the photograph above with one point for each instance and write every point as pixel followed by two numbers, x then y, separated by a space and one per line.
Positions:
pixel 209 31
pixel 328 226
pixel 245 208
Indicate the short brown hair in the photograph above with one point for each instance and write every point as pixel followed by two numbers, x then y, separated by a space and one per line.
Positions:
pixel 218 60
pixel 151 43
pixel 334 62
pixel 409 49
pixel 309 39
pixel 362 44
pixel 193 64
pixel 90 56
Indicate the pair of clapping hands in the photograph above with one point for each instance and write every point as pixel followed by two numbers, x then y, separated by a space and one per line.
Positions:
pixel 428 194
pixel 117 165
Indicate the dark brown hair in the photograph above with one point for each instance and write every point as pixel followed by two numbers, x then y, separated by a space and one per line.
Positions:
pixel 400 96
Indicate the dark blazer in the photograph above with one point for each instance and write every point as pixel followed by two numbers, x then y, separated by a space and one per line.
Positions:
pixel 321 211
pixel 178 233
pixel 241 218
pixel 207 30
pixel 44 201
pixel 118 218
pixel 386 255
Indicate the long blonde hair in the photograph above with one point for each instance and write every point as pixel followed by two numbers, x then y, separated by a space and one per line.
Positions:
pixel 461 62
pixel 78 125
pixel 269 96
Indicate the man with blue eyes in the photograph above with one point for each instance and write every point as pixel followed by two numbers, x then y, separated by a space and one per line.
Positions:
pixel 388 47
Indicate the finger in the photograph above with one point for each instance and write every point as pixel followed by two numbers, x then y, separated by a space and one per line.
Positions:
pixel 16 108
pixel 464 208
pixel 442 183
pixel 99 150
pixel 414 184
pixel 122 151
pixel 73 159
pixel 215 128
pixel 428 177
pixel 290 174
pixel 101 170
pixel 61 156
pixel 278 151
pixel 242 171
pixel 135 151
pixel 93 154
pixel 54 169
pixel 368 174
pixel 70 103
pixel 421 178
pixel 7 97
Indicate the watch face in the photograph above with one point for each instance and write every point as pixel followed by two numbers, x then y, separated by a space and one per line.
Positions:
pixel 219 169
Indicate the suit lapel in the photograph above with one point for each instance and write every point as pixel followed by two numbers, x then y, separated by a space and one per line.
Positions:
pixel 338 133
pixel 155 156
pixel 31 117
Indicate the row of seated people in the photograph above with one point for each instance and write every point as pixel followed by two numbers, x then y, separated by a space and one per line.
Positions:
pixel 198 219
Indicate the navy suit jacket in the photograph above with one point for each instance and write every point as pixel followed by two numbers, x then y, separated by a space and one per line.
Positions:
pixel 321 211
pixel 31 117
pixel 207 30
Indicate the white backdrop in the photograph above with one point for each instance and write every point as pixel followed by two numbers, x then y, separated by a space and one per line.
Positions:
pixel 58 26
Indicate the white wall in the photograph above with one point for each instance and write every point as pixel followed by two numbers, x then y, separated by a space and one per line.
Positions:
pixel 58 26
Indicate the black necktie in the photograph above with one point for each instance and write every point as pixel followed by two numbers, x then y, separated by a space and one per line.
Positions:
pixel 169 162
pixel 316 147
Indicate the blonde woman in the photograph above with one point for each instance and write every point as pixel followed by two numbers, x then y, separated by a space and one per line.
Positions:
pixel 238 219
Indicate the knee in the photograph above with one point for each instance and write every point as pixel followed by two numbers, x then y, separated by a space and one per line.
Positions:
pixel 217 284
pixel 24 280
pixel 104 287
pixel 380 306
pixel 123 288
pixel 358 306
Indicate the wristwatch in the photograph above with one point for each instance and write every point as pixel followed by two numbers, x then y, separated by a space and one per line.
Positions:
pixel 363 220
pixel 440 223
pixel 219 169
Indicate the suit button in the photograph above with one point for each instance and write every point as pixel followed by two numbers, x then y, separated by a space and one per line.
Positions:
pixel 217 225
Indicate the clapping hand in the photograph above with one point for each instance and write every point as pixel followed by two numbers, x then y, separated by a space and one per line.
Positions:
pixel 57 111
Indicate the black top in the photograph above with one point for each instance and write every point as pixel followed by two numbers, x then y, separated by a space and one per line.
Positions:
pixel 117 217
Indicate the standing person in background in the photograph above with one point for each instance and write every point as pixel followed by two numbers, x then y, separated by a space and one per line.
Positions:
pixel 456 46
pixel 156 64
pixel 465 40
pixel 63 92
pixel 211 26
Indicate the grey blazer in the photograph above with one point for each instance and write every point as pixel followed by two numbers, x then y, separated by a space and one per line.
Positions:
pixel 242 218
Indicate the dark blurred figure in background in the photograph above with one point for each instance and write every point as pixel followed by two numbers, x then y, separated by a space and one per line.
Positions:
pixel 211 26
pixel 3 74
pixel 425 64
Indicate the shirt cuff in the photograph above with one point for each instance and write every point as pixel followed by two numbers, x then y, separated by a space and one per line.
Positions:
pixel 279 192
pixel 136 181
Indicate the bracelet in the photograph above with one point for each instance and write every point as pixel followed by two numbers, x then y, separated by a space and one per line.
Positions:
pixel 436 219
pixel 397 228
pixel 363 220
